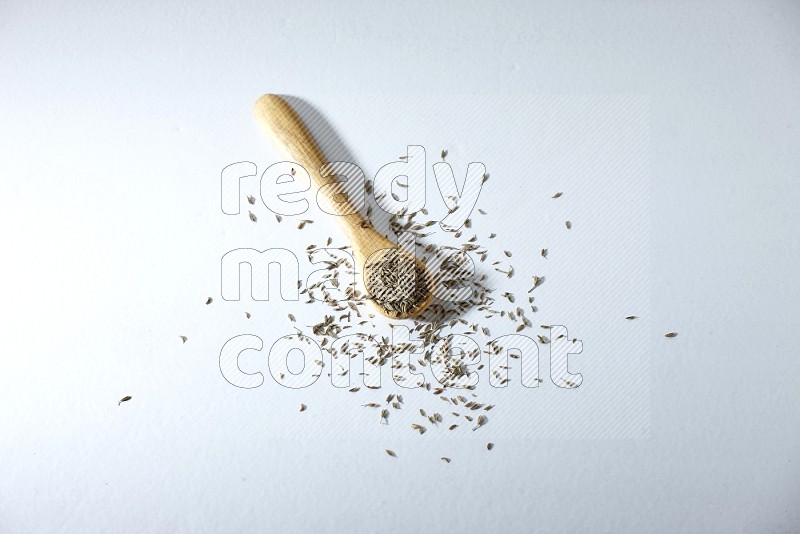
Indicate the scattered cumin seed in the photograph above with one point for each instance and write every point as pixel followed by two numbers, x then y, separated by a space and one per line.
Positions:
pixel 537 281
pixel 482 420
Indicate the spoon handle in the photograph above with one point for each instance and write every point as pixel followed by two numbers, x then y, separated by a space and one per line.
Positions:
pixel 289 134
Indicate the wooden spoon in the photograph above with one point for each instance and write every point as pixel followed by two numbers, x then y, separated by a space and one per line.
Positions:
pixel 395 288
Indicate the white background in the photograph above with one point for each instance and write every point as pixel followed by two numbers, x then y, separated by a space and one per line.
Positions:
pixel 116 122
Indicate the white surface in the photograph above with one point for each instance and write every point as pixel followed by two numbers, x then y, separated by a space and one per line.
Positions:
pixel 116 122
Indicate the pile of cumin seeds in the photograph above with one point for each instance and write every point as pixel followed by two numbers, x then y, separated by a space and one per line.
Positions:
pixel 396 282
